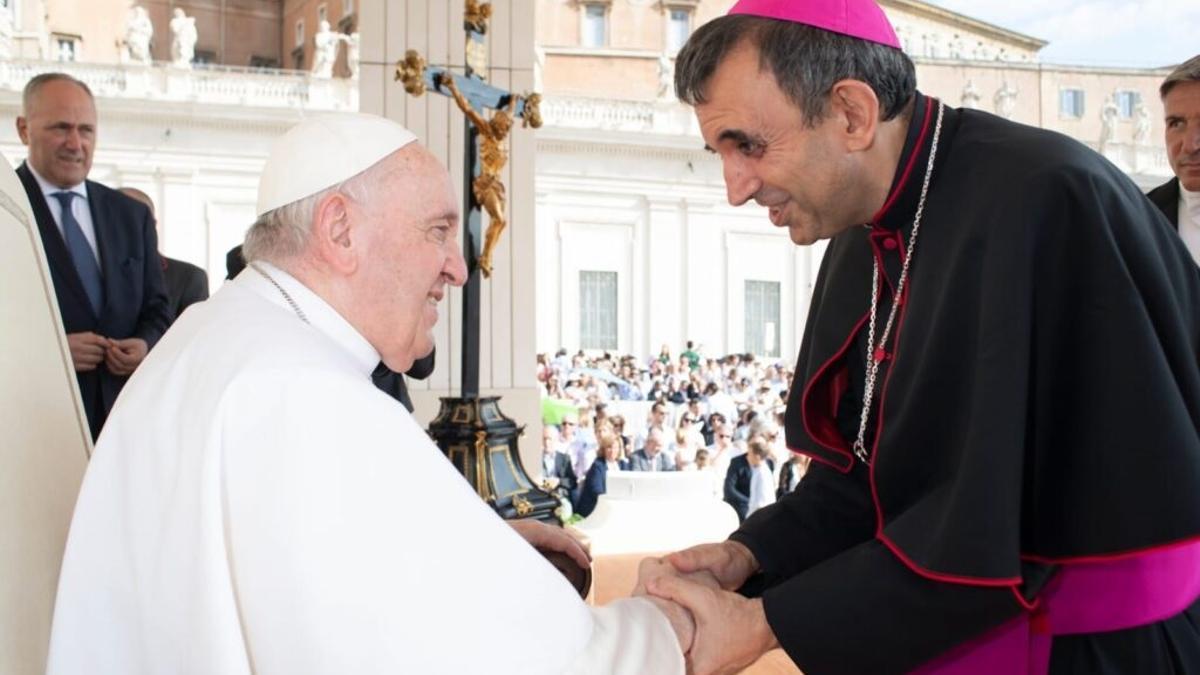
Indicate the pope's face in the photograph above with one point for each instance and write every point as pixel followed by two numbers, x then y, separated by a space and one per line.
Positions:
pixel 414 254
pixel 60 130
pixel 770 156
pixel 1182 108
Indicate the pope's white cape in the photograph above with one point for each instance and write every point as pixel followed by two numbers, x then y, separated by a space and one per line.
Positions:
pixel 255 505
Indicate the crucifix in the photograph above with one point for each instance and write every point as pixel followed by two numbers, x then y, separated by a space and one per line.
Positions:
pixel 471 430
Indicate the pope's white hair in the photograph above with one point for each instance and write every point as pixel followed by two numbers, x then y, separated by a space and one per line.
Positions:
pixel 282 233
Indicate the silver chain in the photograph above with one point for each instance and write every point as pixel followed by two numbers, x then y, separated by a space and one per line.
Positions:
pixel 295 308
pixel 875 351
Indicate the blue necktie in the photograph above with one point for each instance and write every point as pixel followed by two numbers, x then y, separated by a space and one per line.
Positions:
pixel 81 253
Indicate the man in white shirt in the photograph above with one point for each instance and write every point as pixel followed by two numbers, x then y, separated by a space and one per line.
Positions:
pixel 1179 198
pixel 256 505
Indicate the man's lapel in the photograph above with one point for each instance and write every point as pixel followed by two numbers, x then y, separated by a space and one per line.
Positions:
pixel 105 222
pixel 52 241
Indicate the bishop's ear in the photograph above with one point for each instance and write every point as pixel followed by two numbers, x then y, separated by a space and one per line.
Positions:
pixel 334 236
pixel 856 108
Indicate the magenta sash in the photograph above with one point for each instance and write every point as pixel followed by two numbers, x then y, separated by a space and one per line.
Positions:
pixel 1087 597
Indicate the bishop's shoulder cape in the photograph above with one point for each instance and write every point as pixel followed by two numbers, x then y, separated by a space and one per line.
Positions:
pixel 1041 397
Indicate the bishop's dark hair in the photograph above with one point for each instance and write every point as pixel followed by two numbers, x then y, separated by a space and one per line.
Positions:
pixel 805 61
pixel 1188 71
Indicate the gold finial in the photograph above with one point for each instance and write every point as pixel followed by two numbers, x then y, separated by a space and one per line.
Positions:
pixel 532 114
pixel 411 71
pixel 476 15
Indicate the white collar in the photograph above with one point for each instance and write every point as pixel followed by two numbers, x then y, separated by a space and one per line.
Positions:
pixel 49 188
pixel 318 313
pixel 1189 203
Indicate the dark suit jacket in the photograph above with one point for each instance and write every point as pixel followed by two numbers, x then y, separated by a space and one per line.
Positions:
pixel 1166 198
pixel 186 284
pixel 737 484
pixel 136 302
pixel 594 485
pixel 392 383
pixel 564 471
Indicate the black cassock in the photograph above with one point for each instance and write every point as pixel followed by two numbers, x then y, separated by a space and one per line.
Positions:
pixel 1040 404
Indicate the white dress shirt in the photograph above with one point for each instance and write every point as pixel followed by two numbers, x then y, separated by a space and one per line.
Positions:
pixel 79 208
pixel 1189 221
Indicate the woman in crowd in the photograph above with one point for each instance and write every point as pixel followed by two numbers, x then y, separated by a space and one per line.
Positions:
pixel 596 482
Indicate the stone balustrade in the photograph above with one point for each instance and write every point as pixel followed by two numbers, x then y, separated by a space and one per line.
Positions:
pixel 217 85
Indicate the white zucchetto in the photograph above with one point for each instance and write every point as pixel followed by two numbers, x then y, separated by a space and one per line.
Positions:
pixel 323 151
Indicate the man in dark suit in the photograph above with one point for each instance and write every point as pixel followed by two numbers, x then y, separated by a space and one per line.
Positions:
pixel 740 473
pixel 186 283
pixel 557 470
pixel 100 244
pixel 651 457
pixel 1179 198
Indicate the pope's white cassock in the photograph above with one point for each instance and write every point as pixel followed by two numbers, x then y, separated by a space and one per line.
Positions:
pixel 255 505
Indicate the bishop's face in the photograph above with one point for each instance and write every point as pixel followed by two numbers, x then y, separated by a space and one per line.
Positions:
pixel 799 173
pixel 1182 108
pixel 414 256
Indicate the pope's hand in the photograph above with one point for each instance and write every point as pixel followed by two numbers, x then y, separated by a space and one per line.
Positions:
pixel 549 538
pixel 729 562
pixel 652 568
pixel 731 632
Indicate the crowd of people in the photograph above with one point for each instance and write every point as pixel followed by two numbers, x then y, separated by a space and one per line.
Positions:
pixel 722 415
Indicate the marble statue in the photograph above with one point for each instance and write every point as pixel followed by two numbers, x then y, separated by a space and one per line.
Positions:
pixel 183 39
pixel 958 49
pixel 970 96
pixel 1006 100
pixel 325 44
pixel 666 77
pixel 1108 122
pixel 352 58
pixel 138 32
pixel 1141 128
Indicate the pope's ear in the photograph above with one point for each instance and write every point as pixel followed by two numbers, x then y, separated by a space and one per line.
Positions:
pixel 333 233
pixel 856 108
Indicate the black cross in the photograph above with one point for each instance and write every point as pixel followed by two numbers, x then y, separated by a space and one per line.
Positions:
pixel 482 96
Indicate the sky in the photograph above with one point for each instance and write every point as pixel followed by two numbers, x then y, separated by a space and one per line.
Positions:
pixel 1136 33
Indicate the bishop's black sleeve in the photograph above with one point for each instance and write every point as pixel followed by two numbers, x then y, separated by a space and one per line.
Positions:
pixel 839 601
pixel 826 514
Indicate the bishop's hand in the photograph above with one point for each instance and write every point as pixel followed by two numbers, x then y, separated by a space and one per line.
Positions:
pixel 731 632
pixel 730 562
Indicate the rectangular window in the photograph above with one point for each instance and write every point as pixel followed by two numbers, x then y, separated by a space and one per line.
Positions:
pixel 1070 103
pixel 679 27
pixel 597 310
pixel 322 13
pixel 762 317
pixel 1127 102
pixel 347 7
pixel 66 48
pixel 299 37
pixel 595 25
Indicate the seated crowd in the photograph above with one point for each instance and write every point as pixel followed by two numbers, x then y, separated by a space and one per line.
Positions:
pixel 721 416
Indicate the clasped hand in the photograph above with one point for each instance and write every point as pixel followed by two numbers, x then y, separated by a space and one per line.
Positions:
pixel 726 632
pixel 121 357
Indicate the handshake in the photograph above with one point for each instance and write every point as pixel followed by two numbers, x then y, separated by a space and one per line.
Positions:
pixel 719 631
